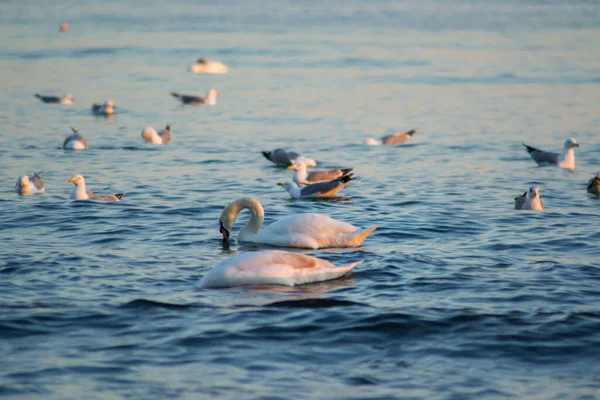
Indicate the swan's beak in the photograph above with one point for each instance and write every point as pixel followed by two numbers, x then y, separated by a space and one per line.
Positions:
pixel 279 184
pixel 291 167
pixel 223 231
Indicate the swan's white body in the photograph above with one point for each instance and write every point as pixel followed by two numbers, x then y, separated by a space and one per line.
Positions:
pixel 310 231
pixel 272 267
pixel 203 66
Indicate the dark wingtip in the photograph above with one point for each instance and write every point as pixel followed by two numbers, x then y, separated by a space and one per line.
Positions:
pixel 38 95
pixel 411 132
pixel 74 130
pixel 119 195
pixel 529 148
pixel 266 154
pixel 176 95
pixel 345 171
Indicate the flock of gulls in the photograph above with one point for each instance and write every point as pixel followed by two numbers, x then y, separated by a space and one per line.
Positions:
pixel 306 230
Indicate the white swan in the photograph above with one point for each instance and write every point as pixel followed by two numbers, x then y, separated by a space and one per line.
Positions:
pixel 204 66
pixel 310 231
pixel 272 267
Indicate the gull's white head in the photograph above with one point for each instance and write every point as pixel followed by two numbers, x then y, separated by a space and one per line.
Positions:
pixel 77 180
pixel 533 192
pixel 372 142
pixel 23 181
pixel 297 165
pixel 571 142
pixel 289 185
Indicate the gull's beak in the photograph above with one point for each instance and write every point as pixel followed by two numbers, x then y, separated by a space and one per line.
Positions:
pixel 279 184
pixel 291 167
pixel 71 180
pixel 23 184
pixel 575 144
pixel 223 231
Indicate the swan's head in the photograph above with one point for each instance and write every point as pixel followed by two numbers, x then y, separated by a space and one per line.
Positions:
pixel 372 142
pixel 570 143
pixel 77 180
pixel 23 181
pixel 227 220
pixel 533 192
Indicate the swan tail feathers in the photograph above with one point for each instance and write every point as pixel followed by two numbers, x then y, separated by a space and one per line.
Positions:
pixel 356 238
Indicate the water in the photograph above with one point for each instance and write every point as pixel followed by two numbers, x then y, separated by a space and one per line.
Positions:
pixel 459 295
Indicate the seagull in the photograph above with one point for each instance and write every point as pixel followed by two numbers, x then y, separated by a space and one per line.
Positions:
pixel 64 27
pixel 66 99
pixel 107 108
pixel 210 99
pixel 79 192
pixel 530 200
pixel 593 186
pixel 204 66
pixel 322 190
pixel 283 158
pixel 27 185
pixel 151 136
pixel 302 177
pixel 74 141
pixel 566 159
pixel 395 138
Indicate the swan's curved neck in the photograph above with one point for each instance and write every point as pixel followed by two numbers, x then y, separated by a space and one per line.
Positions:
pixel 256 220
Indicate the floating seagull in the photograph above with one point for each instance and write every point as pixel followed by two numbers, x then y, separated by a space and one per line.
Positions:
pixel 107 108
pixel 27 185
pixel 271 267
pixel 530 200
pixel 74 141
pixel 210 99
pixel 566 159
pixel 64 27
pixel 151 136
pixel 79 192
pixel 303 177
pixel 282 158
pixel 310 231
pixel 593 186
pixel 204 66
pixel 396 138
pixel 66 99
pixel 321 190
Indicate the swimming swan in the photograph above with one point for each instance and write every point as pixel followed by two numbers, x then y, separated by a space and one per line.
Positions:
pixel 271 267
pixel 310 231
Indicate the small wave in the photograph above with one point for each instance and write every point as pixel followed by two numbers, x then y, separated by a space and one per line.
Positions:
pixel 315 303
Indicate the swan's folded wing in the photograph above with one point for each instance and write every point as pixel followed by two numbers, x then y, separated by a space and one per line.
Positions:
pixel 315 225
